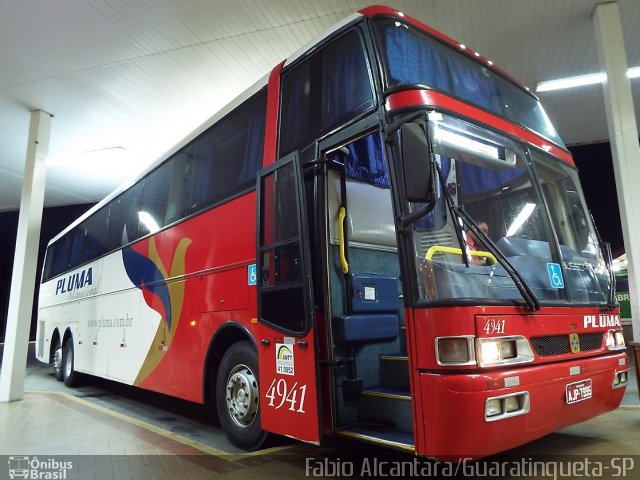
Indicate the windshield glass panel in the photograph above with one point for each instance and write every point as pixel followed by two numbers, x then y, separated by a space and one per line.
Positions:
pixel 412 57
pixel 585 270
pixel 489 177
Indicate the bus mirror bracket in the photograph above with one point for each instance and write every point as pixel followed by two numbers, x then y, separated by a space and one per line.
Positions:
pixel 416 165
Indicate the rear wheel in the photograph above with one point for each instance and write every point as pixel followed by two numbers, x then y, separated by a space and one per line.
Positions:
pixel 57 360
pixel 69 375
pixel 237 397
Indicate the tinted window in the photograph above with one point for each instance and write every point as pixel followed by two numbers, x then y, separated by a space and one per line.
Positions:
pixel 123 218
pixel 218 164
pixel 226 157
pixel 324 91
pixel 282 285
pixel 95 232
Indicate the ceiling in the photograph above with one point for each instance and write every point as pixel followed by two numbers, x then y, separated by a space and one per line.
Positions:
pixel 127 80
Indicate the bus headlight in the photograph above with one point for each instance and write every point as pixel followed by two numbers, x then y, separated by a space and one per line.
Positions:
pixel 615 340
pixel 503 351
pixel 455 350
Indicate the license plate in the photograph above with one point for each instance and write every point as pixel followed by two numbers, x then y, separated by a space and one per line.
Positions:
pixel 578 391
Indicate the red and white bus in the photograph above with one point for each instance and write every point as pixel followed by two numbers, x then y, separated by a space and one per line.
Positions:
pixel 384 239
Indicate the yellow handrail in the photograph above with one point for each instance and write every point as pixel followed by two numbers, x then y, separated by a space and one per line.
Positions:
pixel 343 258
pixel 458 251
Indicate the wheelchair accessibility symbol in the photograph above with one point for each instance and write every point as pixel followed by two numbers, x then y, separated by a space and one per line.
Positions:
pixel 555 275
pixel 252 275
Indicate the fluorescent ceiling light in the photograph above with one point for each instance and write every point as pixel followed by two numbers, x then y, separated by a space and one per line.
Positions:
pixel 633 72
pixel 580 81
pixel 522 217
pixel 453 138
pixel 115 163
pixel 147 220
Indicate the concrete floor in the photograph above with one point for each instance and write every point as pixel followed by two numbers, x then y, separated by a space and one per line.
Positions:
pixel 108 430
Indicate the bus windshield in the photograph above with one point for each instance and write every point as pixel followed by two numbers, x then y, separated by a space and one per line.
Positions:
pixel 440 67
pixel 529 207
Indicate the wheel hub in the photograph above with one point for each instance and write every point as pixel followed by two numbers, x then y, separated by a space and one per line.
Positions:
pixel 57 359
pixel 242 395
pixel 68 363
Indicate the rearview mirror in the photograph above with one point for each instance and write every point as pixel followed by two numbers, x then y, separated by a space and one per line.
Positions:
pixel 416 167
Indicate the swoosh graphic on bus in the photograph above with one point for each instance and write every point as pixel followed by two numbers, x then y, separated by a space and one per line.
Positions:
pixel 144 274
pixel 142 269
pixel 150 275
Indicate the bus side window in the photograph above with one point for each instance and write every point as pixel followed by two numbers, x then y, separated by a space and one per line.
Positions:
pixel 155 194
pixel 325 91
pixel 95 228
pixel 177 196
pixel 226 158
pixel 123 218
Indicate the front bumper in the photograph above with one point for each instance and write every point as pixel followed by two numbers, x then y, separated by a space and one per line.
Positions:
pixel 454 405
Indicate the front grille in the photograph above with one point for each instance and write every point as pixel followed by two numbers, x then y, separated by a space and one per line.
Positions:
pixel 559 344
pixel 590 341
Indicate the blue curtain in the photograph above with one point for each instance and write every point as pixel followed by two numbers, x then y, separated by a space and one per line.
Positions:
pixel 252 161
pixel 479 180
pixel 414 58
pixel 294 124
pixel 408 61
pixel 346 87
pixel 366 162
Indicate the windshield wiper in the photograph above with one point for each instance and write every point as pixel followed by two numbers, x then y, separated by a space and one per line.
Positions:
pixel 458 213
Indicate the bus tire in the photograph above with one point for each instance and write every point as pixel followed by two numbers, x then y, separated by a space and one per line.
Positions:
pixel 57 360
pixel 237 397
pixel 69 375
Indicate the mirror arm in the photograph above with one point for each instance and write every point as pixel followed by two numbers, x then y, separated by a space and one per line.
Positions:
pixel 393 127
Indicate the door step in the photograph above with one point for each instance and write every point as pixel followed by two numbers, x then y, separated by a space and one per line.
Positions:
pixel 390 393
pixel 386 406
pixel 394 371
pixel 380 436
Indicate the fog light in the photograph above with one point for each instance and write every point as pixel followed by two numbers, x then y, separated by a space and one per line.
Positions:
pixel 493 407
pixel 511 404
pixel 611 340
pixel 620 379
pixel 506 406
pixel 615 340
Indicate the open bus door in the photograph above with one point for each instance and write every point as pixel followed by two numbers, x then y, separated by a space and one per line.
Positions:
pixel 287 350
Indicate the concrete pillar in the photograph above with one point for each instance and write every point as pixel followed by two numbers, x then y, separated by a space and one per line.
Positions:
pixel 623 132
pixel 23 278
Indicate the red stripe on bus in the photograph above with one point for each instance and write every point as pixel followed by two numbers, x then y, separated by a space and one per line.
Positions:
pixel 271 127
pixel 409 98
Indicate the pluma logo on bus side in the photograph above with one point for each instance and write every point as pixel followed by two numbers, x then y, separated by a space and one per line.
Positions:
pixel 75 281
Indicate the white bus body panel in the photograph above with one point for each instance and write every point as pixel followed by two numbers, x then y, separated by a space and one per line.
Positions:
pixel 112 326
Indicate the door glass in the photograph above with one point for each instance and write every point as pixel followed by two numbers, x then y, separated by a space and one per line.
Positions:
pixel 283 296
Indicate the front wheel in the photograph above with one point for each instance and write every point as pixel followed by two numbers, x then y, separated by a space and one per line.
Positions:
pixel 238 395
